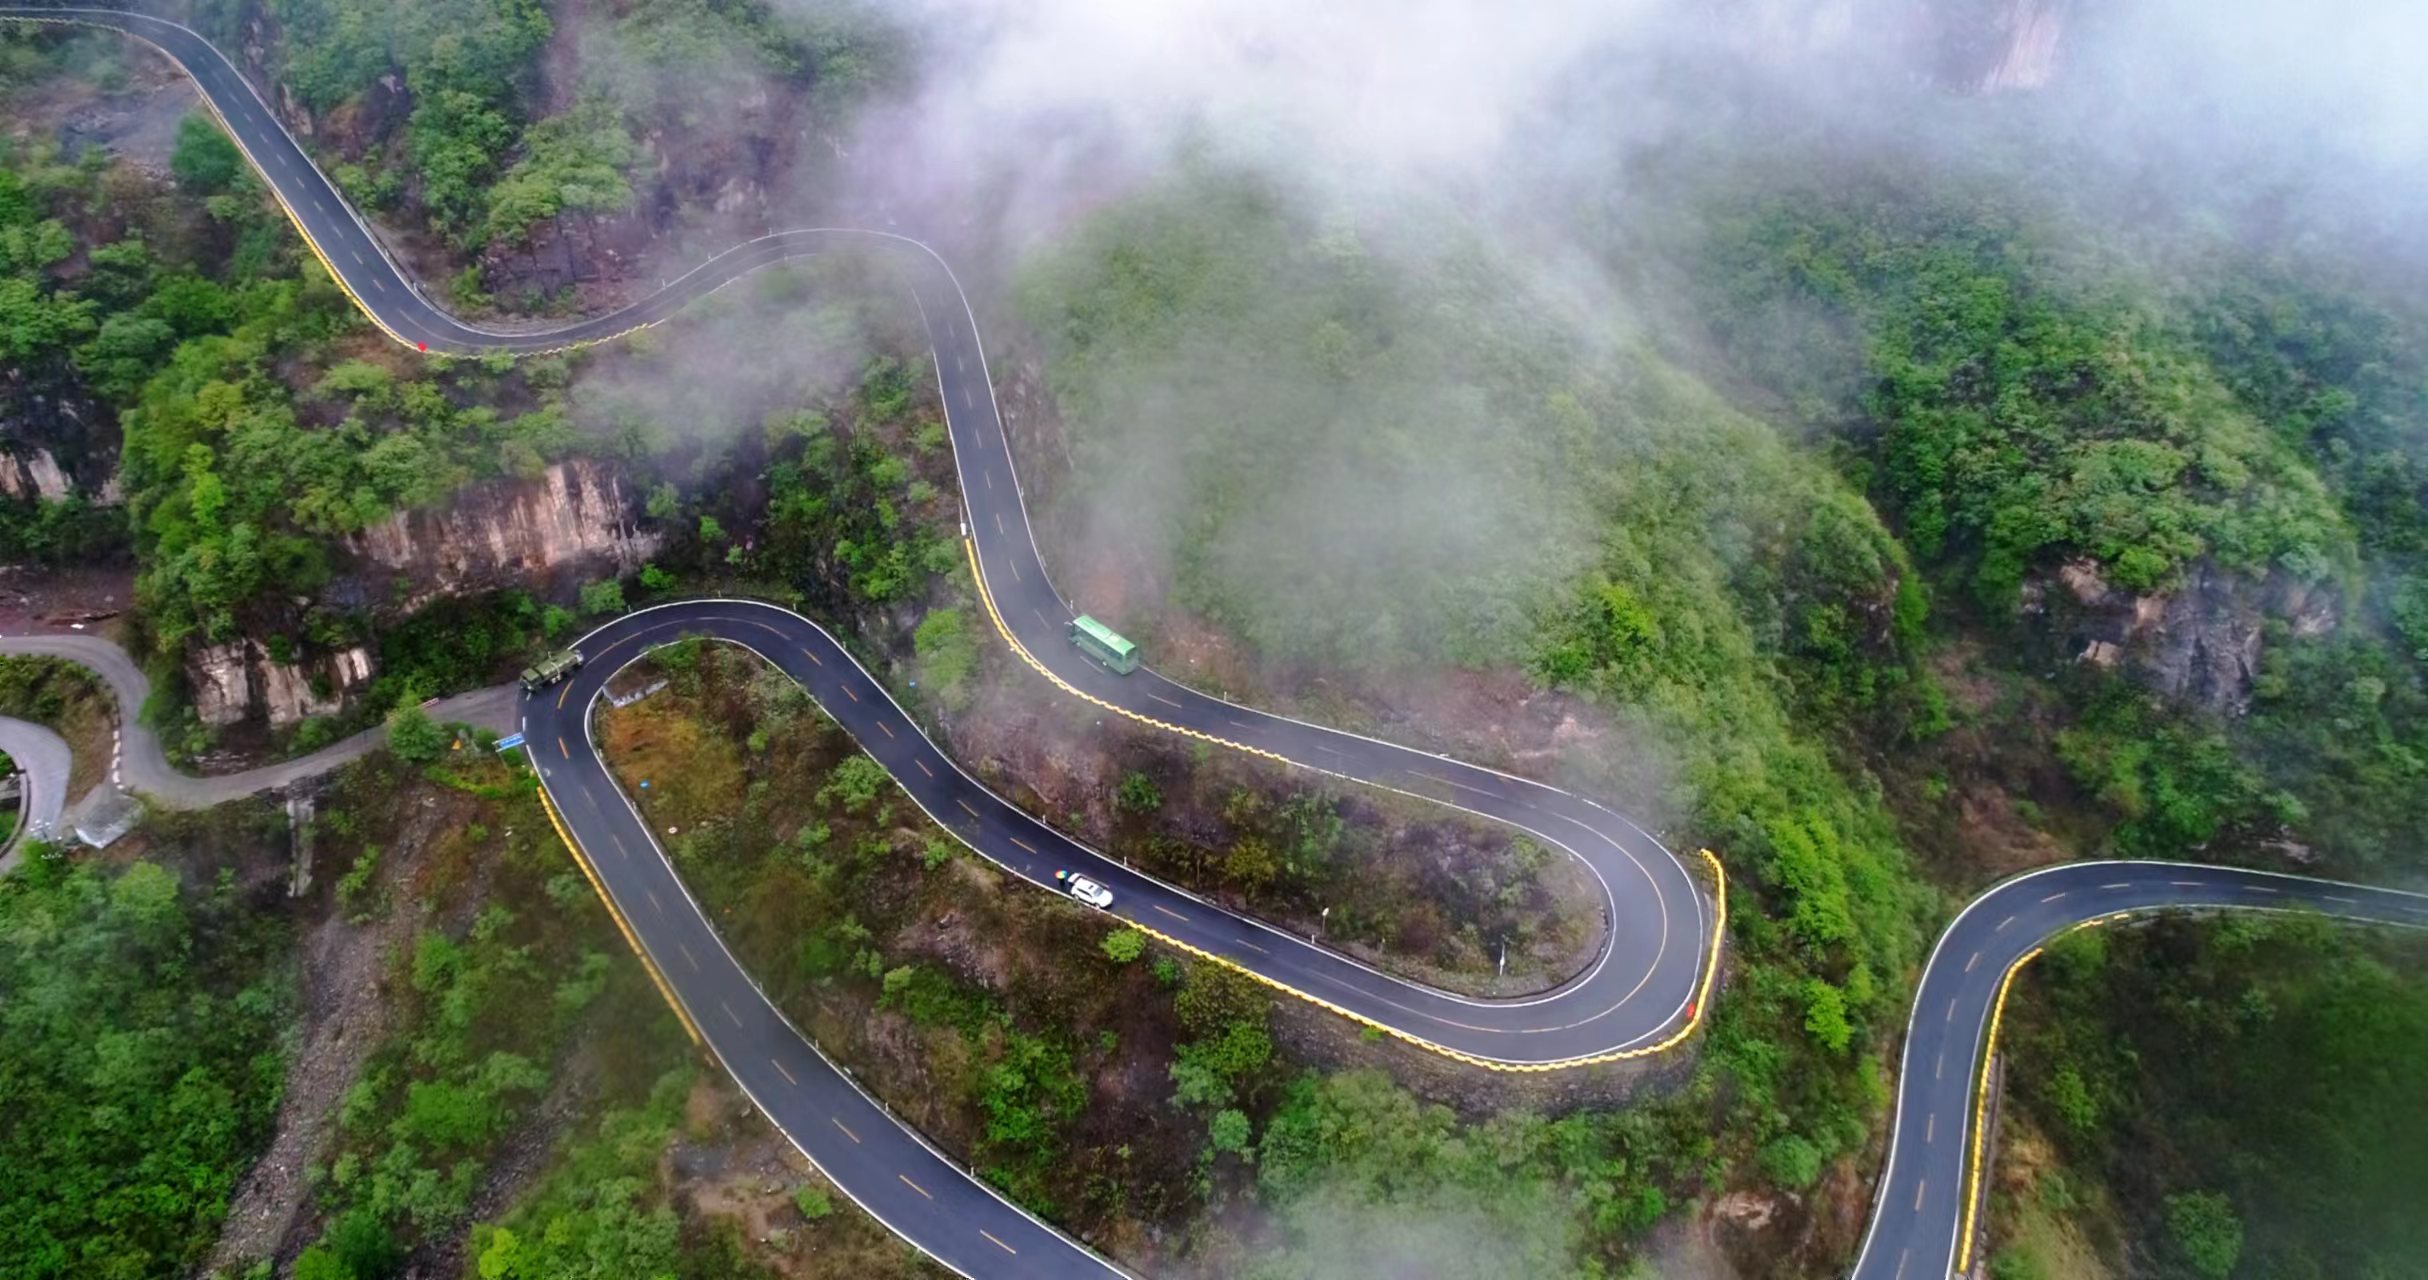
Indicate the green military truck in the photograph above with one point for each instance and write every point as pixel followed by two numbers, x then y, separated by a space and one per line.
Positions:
pixel 549 670
pixel 1104 644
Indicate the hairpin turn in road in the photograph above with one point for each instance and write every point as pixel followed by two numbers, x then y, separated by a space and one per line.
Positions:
pixel 1644 992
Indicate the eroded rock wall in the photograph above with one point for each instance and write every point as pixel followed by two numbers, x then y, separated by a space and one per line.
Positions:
pixel 574 523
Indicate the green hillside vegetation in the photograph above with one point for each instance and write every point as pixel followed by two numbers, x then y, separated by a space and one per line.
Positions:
pixel 1733 602
pixel 2247 1088
pixel 478 156
pixel 140 1064
pixel 2018 393
pixel 486 1007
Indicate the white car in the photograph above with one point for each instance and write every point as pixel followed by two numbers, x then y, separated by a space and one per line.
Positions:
pixel 1084 889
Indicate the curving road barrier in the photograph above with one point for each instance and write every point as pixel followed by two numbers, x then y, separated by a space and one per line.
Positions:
pixel 1645 991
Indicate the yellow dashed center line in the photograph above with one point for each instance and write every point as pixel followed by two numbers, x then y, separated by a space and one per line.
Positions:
pixel 562 750
pixel 913 1185
pixel 813 658
pixel 782 1072
pixel 849 694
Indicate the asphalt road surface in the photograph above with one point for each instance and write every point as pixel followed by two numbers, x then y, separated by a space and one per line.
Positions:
pixel 1642 992
pixel 42 756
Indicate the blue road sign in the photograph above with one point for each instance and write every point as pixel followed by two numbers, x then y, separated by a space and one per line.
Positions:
pixel 510 742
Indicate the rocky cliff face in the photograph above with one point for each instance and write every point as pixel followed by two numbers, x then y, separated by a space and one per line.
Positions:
pixel 231 681
pixel 56 440
pixel 2200 643
pixel 574 523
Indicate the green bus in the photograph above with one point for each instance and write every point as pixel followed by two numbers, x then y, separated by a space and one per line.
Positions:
pixel 1104 644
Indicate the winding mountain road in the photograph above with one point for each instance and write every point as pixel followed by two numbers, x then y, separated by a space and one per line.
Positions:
pixel 1643 993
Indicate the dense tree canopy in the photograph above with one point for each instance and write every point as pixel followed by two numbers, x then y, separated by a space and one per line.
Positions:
pixel 140 1064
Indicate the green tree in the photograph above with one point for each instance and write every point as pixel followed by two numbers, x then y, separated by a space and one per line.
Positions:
pixel 1229 1131
pixel 1124 946
pixel 203 158
pixel 415 737
pixel 1137 794
pixel 2204 1225
pixel 603 597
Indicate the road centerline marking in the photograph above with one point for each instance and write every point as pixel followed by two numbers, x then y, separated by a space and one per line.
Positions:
pixel 990 1237
pixel 688 958
pixel 846 1130
pixel 782 1072
pixel 913 1185
pixel 1169 912
pixel 923 768
pixel 737 1018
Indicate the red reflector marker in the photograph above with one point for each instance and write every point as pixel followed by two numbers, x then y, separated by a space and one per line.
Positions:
pixel 421 346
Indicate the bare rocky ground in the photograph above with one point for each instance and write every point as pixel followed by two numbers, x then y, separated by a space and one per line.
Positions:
pixel 344 1015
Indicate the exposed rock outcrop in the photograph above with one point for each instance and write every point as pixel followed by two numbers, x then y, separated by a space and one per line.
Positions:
pixel 56 439
pixel 576 521
pixel 35 474
pixel 2199 643
pixel 222 682
pixel 232 681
